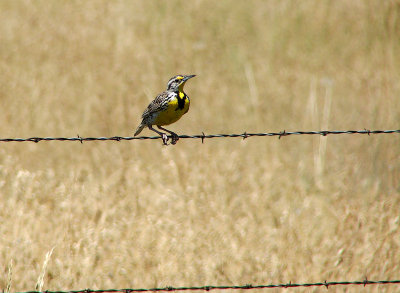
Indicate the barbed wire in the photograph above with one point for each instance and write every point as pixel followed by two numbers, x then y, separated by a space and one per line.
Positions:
pixel 244 287
pixel 202 136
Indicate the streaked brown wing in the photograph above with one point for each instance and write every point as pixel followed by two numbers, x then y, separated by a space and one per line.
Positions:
pixel 158 104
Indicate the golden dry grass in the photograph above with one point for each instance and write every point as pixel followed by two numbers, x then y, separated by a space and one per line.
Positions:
pixel 263 210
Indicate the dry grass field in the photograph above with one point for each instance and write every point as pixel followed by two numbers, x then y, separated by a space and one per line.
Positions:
pixel 227 212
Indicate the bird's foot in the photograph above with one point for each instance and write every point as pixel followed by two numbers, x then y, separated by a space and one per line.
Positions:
pixel 165 139
pixel 174 138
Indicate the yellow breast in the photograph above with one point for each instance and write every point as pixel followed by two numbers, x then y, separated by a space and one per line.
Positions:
pixel 174 111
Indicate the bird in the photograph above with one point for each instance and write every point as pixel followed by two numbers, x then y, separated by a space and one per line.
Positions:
pixel 167 108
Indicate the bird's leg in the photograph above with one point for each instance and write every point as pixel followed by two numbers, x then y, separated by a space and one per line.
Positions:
pixel 163 135
pixel 174 136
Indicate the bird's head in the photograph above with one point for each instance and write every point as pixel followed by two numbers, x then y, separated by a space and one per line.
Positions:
pixel 177 82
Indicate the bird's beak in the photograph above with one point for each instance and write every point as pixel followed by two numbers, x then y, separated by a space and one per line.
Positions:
pixel 188 77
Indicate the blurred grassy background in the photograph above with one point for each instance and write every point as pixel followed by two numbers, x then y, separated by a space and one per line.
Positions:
pixel 263 210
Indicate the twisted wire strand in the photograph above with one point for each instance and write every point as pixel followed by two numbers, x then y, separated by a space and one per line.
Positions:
pixel 234 287
pixel 202 136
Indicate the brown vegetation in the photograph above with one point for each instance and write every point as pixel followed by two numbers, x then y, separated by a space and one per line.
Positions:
pixel 263 210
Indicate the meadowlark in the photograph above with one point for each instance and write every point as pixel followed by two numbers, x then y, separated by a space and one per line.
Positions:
pixel 167 108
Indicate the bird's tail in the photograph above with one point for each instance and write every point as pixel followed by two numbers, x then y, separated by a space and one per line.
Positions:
pixel 140 128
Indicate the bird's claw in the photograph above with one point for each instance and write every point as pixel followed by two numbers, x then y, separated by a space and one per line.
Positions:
pixel 165 139
pixel 174 138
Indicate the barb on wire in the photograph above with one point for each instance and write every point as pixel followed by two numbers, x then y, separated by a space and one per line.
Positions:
pixel 244 287
pixel 202 136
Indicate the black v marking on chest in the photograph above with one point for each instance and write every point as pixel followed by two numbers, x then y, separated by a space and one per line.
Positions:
pixel 181 102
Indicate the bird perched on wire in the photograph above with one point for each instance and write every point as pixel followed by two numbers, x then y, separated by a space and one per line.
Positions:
pixel 167 108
